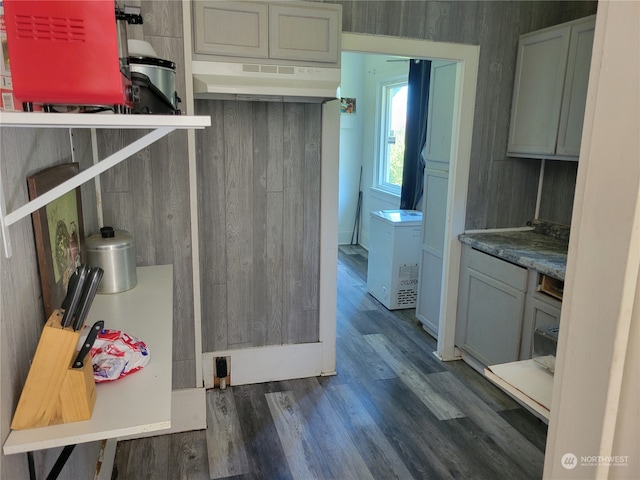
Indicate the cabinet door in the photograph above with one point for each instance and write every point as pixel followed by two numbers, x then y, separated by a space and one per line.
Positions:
pixel 436 188
pixel 231 28
pixel 490 308
pixel 575 88
pixel 432 249
pixel 305 32
pixel 538 313
pixel 537 96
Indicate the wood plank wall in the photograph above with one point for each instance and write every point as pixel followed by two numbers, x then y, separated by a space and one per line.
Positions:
pixel 148 195
pixel 22 153
pixel 557 191
pixel 502 190
pixel 258 196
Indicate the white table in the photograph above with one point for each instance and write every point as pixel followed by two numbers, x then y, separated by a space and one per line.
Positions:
pixel 138 403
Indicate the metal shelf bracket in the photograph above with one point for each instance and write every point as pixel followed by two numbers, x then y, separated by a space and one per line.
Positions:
pixel 6 220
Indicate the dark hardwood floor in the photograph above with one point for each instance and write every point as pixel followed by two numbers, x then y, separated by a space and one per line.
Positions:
pixel 394 411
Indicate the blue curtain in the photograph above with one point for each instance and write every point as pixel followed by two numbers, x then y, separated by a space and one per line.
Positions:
pixel 415 134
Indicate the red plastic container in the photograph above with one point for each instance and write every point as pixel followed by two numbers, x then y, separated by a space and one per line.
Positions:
pixel 65 52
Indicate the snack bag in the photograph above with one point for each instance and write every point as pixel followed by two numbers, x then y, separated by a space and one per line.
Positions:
pixel 116 354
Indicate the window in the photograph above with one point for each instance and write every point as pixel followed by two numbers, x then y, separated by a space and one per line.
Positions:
pixel 392 115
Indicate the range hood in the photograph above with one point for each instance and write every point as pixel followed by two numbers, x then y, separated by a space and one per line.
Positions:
pixel 263 82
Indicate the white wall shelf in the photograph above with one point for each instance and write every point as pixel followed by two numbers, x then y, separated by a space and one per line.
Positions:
pixel 160 125
pixel 100 120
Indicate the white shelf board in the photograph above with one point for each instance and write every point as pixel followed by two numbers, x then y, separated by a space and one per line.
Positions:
pixel 101 120
pixel 527 382
pixel 137 403
pixel 160 125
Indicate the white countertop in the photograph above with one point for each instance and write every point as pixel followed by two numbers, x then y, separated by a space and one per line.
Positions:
pixel 139 402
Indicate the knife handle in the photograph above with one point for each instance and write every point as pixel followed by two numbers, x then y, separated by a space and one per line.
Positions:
pixel 88 343
pixel 88 294
pixel 75 297
pixel 71 285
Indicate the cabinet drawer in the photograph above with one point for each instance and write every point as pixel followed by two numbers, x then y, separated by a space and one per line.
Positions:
pixel 550 286
pixel 499 269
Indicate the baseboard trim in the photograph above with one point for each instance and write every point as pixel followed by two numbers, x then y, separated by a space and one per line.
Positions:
pixel 457 355
pixel 344 237
pixel 266 364
pixel 473 363
pixel 427 326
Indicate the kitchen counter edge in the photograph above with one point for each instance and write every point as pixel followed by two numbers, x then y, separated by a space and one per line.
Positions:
pixel 527 249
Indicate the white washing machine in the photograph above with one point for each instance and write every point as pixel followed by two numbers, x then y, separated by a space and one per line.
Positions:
pixel 394 254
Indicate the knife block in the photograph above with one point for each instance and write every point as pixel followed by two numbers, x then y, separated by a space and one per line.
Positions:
pixel 54 392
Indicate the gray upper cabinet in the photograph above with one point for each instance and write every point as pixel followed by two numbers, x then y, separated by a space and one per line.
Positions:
pixel 552 74
pixel 295 31
pixel 237 29
pixel 575 88
pixel 304 32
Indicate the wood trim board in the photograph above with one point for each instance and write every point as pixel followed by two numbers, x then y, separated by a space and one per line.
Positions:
pixel 528 383
pixel 467 59
pixel 267 364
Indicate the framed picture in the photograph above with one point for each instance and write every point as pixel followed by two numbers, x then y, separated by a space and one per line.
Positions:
pixel 58 230
pixel 348 106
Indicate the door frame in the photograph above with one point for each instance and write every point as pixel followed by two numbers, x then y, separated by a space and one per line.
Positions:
pixel 467 59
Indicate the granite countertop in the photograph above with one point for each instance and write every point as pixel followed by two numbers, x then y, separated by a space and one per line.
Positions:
pixel 529 248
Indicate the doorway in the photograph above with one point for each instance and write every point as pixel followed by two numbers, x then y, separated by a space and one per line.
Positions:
pixel 365 77
pixel 465 58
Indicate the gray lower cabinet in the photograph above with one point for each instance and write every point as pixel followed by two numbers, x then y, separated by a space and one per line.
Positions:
pixel 499 307
pixel 490 307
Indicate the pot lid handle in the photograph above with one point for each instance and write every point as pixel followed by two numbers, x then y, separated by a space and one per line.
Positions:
pixel 107 232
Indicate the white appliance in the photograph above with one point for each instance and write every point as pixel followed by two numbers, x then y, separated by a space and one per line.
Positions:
pixel 254 81
pixel 394 254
